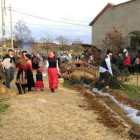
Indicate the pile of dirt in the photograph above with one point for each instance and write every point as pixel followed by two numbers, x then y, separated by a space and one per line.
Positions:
pixel 106 115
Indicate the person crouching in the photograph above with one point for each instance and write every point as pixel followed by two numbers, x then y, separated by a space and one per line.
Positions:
pixel 39 85
pixel 53 71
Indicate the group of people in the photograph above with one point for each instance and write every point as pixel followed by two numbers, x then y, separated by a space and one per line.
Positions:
pixel 24 65
pixel 133 64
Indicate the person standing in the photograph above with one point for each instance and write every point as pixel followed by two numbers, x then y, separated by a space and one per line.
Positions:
pixel 41 61
pixel 119 61
pixel 29 72
pixel 39 85
pixel 113 59
pixel 105 71
pixel 21 79
pixel 69 59
pixel 127 62
pixel 53 71
pixel 8 67
pixel 77 58
pixel 91 60
pixel 136 65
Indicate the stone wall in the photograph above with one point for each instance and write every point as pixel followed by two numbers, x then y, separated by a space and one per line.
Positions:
pixel 126 15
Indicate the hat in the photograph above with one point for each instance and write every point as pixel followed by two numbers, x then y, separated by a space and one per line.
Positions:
pixel 40 70
pixel 51 55
pixel 28 56
pixel 10 50
pixel 24 51
pixel 109 51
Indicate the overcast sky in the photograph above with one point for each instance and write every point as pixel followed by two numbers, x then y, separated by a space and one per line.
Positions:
pixel 70 11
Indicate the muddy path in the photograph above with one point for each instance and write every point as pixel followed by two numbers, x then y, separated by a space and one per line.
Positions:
pixel 63 115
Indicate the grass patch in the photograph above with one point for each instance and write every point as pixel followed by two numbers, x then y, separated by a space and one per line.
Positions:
pixel 131 91
pixel 67 84
pixel 3 107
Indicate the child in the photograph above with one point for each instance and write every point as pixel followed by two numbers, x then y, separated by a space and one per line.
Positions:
pixel 39 80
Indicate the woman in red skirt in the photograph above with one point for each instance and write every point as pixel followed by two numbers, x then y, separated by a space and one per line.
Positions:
pixel 39 80
pixel 53 71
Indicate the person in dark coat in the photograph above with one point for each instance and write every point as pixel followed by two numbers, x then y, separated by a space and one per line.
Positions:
pixel 119 61
pixel 113 59
pixel 35 63
pixel 29 73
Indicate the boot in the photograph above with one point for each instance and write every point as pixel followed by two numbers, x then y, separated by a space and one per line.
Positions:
pixel 52 90
pixel 106 89
pixel 29 89
pixel 23 88
pixel 19 88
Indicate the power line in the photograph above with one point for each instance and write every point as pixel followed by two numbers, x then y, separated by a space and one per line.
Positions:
pixel 51 25
pixel 59 18
pixel 46 18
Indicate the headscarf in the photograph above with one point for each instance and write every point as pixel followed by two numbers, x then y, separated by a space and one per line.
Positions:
pixel 40 70
pixel 51 55
pixel 22 60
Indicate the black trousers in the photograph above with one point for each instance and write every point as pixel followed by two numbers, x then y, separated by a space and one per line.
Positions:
pixel 106 76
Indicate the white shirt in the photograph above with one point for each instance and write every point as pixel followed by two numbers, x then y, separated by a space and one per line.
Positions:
pixel 102 70
pixel 6 63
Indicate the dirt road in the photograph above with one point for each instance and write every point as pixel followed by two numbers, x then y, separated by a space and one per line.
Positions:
pixel 47 116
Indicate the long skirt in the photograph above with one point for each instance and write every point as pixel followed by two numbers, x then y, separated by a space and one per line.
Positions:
pixel 21 77
pixel 53 78
pixel 30 79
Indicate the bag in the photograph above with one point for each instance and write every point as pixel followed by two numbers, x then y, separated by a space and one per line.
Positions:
pixel 61 80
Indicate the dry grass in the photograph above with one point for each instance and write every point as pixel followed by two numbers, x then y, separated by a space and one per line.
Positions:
pixel 47 116
pixel 133 80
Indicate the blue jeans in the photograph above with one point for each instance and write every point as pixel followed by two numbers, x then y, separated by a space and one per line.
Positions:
pixel 9 76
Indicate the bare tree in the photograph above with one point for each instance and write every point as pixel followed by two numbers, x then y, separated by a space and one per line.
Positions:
pixel 22 33
pixel 113 39
pixel 63 41
pixel 48 40
pixel 77 44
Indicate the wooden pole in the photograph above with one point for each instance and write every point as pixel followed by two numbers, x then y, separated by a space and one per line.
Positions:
pixel 3 24
pixel 137 79
pixel 11 27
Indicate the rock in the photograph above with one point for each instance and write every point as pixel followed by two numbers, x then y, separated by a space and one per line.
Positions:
pixel 138 113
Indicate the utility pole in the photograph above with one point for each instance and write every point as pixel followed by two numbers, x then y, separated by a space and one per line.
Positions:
pixel 3 24
pixel 11 27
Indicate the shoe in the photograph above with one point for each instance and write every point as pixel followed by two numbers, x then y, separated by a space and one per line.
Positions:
pixel 42 89
pixel 52 90
pixel 106 90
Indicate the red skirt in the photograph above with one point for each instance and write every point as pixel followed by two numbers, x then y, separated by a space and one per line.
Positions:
pixel 39 85
pixel 53 78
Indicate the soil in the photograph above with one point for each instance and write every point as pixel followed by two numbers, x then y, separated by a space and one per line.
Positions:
pixel 66 114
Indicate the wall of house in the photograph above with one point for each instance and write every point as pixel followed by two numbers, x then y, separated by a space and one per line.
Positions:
pixel 126 15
